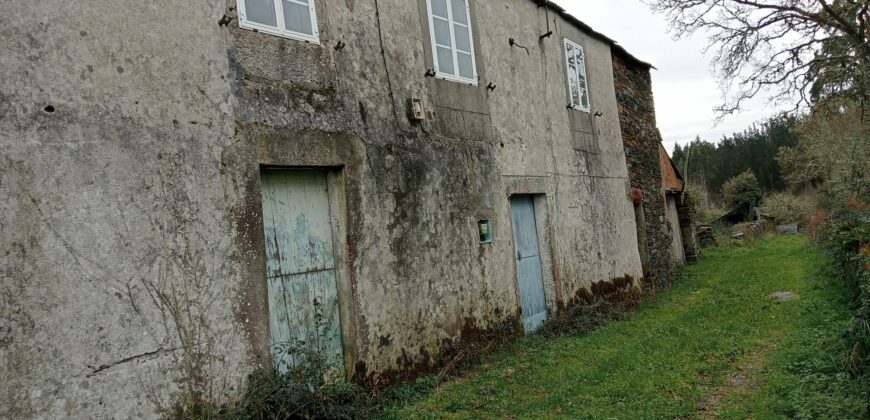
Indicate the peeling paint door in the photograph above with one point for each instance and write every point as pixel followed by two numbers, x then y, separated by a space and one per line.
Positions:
pixel 528 256
pixel 677 242
pixel 300 267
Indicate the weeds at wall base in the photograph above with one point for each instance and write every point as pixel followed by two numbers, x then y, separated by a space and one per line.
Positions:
pixel 272 395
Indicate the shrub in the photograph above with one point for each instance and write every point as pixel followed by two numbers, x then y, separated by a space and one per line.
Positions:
pixel 817 223
pixel 308 386
pixel 283 396
pixel 304 384
pixel 303 391
pixel 701 205
pixel 743 193
pixel 787 208
pixel 847 240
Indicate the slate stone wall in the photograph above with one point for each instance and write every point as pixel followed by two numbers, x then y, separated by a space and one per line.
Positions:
pixel 641 139
pixel 687 227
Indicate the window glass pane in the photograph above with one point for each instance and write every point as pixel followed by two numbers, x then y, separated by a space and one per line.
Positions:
pixel 575 96
pixel 584 89
pixel 573 85
pixel 297 18
pixel 569 52
pixel 459 12
pixel 261 11
pixel 439 8
pixel 442 32
pixel 463 40
pixel 466 70
pixel 445 60
pixel 581 79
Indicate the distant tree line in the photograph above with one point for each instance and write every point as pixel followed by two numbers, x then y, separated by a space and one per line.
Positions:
pixel 755 149
pixel 814 54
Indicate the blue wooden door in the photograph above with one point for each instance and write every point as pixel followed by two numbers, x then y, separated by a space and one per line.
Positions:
pixel 528 257
pixel 300 267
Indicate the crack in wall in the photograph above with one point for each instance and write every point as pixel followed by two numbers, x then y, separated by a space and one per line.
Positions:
pixel 150 354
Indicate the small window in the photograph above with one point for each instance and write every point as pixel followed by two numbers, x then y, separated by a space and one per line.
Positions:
pixel 452 46
pixel 578 85
pixel 293 19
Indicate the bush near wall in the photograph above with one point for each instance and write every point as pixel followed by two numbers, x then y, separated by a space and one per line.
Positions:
pixel 786 208
pixel 743 193
pixel 702 205
pixel 846 237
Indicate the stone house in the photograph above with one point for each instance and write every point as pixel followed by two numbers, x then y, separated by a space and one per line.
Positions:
pixel 190 186
pixel 665 223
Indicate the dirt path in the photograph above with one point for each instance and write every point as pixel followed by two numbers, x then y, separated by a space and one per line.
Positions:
pixel 744 380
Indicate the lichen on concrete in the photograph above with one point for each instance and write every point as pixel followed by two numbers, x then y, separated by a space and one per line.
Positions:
pixel 132 141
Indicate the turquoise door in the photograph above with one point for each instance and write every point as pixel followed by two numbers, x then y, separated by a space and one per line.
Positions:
pixel 300 267
pixel 528 258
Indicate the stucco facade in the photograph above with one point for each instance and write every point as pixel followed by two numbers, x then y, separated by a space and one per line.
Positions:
pixel 131 231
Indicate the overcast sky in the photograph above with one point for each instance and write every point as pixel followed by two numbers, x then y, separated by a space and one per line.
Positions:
pixel 684 87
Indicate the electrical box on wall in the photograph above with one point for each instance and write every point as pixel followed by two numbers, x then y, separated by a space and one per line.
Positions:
pixel 484 228
pixel 415 106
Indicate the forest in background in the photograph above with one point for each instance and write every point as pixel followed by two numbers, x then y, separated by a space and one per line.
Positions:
pixel 787 166
pixel 710 164
pixel 810 168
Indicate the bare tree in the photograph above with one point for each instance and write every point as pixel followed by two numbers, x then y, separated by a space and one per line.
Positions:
pixel 792 51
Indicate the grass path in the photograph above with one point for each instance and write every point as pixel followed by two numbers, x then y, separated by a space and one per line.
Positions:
pixel 714 346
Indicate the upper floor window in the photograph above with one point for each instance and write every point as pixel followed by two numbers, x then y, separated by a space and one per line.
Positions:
pixel 287 18
pixel 578 85
pixel 452 47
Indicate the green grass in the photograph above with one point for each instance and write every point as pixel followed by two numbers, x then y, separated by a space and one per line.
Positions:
pixel 715 345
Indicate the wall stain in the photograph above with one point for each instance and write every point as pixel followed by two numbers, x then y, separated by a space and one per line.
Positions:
pixel 471 337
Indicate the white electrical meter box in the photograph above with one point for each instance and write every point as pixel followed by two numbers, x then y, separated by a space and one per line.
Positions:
pixel 416 106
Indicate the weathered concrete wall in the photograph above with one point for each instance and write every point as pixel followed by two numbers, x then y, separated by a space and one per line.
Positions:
pixel 131 238
pixel 113 118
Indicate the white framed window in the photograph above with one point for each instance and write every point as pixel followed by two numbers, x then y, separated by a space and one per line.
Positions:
pixel 578 84
pixel 295 19
pixel 452 45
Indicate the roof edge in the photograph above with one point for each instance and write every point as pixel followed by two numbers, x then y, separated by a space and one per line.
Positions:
pixel 588 29
pixel 673 164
